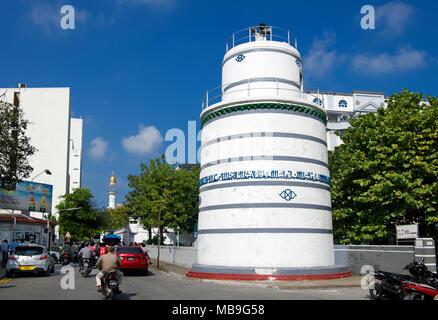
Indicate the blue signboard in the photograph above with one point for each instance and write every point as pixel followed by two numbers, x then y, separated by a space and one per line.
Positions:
pixel 28 196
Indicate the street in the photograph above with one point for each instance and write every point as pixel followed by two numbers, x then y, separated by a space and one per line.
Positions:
pixel 159 285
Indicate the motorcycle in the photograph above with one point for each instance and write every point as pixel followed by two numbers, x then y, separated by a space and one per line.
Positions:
pixel 85 267
pixel 420 291
pixel 421 274
pixel 421 284
pixel 65 259
pixel 110 285
pixel 390 286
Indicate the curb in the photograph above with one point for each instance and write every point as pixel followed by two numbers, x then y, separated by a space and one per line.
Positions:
pixel 269 285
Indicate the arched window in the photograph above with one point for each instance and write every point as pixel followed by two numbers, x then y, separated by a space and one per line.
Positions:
pixel 317 101
pixel 343 104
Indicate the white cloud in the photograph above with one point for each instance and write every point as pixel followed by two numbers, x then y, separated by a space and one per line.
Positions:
pixel 146 142
pixel 392 18
pixel 321 59
pixel 48 16
pixel 98 149
pixel 405 59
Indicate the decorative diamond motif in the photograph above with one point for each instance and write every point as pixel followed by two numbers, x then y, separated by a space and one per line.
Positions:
pixel 240 58
pixel 288 195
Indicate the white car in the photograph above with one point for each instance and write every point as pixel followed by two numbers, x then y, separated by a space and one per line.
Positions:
pixel 30 259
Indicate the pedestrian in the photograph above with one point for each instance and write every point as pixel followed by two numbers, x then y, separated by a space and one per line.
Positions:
pixel 14 244
pixel 5 251
pixel 145 251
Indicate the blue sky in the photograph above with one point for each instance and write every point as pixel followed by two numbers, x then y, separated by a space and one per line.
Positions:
pixel 138 68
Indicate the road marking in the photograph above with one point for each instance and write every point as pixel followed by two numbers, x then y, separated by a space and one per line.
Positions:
pixel 5 280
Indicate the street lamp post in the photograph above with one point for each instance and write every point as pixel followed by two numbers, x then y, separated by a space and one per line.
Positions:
pixel 46 171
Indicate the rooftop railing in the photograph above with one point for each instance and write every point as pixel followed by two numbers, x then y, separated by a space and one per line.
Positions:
pixel 251 34
pixel 251 89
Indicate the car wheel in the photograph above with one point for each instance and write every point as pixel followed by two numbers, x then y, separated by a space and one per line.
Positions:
pixel 9 273
pixel 145 273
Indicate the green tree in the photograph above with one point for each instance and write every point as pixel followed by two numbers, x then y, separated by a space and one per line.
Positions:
pixel 15 147
pixel 113 219
pixel 163 197
pixel 386 172
pixel 77 215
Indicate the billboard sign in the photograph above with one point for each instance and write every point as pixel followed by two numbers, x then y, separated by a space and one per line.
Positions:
pixel 409 231
pixel 28 196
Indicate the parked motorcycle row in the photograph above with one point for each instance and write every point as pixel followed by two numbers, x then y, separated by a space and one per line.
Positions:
pixel 421 284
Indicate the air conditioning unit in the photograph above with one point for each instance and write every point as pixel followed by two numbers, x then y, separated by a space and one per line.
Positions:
pixel 21 85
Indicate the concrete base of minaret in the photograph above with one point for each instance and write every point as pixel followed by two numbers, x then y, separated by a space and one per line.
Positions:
pixel 268 274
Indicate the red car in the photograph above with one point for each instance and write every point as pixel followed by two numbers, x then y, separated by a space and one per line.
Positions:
pixel 133 259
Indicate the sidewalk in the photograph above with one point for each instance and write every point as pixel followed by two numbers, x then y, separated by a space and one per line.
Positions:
pixel 2 272
pixel 350 282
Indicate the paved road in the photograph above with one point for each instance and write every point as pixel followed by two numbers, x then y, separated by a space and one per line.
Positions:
pixel 159 286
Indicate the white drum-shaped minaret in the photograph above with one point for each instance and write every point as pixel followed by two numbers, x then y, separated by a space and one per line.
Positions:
pixel 265 205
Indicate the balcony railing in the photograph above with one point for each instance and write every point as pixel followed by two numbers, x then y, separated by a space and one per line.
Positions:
pixel 253 89
pixel 252 34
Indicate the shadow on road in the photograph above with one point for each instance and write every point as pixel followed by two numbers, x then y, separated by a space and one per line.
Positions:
pixel 126 296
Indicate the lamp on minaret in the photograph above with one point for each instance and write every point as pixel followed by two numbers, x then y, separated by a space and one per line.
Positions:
pixel 112 192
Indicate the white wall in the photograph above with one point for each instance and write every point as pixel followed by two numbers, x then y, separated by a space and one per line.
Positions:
pixel 48 112
pixel 75 165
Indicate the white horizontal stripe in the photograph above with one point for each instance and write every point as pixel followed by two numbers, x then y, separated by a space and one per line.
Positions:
pixel 381 251
pixel 425 255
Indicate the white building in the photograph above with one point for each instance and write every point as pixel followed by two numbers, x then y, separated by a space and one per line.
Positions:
pixel 341 107
pixel 75 163
pixel 54 134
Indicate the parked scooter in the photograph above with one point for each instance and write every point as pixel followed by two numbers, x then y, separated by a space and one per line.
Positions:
pixel 421 284
pixel 421 274
pixel 390 286
pixel 419 291
pixel 110 285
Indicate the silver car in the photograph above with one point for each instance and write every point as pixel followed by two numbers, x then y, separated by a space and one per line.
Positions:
pixel 30 259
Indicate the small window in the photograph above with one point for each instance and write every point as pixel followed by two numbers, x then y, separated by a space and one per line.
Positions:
pixel 343 104
pixel 317 101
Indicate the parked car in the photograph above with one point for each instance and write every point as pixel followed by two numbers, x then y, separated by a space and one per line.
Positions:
pixel 133 259
pixel 30 259
pixel 55 255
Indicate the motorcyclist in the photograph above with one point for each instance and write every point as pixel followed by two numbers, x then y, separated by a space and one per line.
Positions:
pixel 85 253
pixel 108 263
pixel 93 252
pixel 67 249
pixel 75 250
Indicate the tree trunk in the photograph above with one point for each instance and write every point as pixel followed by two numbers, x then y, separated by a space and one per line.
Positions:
pixel 159 240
